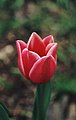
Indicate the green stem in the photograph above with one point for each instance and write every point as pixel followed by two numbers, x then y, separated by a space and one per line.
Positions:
pixel 42 100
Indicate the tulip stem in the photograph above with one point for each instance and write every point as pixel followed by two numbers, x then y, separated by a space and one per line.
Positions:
pixel 42 100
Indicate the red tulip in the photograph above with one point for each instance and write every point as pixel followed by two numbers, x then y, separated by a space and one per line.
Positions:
pixel 37 59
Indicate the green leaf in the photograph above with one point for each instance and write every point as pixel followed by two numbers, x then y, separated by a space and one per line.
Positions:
pixel 3 113
pixel 3 105
pixel 41 101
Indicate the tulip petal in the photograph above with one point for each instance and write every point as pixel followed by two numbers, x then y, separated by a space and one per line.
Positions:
pixel 53 50
pixel 36 44
pixel 48 39
pixel 20 62
pixel 43 69
pixel 29 58
pixel 22 44
pixel 48 47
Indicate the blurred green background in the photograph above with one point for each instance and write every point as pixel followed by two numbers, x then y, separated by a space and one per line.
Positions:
pixel 18 19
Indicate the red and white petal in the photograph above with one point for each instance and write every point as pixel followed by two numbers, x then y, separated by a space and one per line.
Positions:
pixel 29 58
pixel 43 70
pixel 20 62
pixel 48 39
pixel 53 50
pixel 21 43
pixel 48 47
pixel 36 44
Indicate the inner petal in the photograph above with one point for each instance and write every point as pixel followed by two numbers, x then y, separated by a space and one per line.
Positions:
pixel 52 51
pixel 48 47
pixel 48 39
pixel 36 44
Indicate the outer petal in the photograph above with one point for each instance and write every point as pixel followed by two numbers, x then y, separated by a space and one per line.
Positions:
pixel 20 62
pixel 21 43
pixel 35 44
pixel 53 50
pixel 29 58
pixel 48 39
pixel 43 69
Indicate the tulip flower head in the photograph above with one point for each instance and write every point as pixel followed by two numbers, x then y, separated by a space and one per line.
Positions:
pixel 37 58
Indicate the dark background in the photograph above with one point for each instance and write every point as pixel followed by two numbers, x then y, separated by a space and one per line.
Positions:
pixel 18 19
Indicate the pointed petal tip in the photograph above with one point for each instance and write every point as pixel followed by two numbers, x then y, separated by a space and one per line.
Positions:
pixel 17 46
pixel 49 39
pixel 34 34
pixel 21 44
pixel 56 46
pixel 18 41
pixel 52 51
pixel 36 44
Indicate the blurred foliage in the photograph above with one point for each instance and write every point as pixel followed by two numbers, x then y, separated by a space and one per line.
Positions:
pixel 19 18
pixel 5 84
pixel 65 83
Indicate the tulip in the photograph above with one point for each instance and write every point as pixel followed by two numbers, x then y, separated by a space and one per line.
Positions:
pixel 37 62
pixel 37 58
